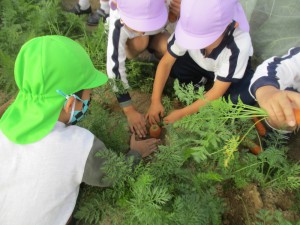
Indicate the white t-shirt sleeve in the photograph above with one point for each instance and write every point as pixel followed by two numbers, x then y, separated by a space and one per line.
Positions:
pixel 173 48
pixel 280 72
pixel 116 53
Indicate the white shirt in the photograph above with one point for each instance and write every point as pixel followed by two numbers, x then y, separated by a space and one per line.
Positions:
pixel 228 61
pixel 116 51
pixel 39 182
pixel 280 72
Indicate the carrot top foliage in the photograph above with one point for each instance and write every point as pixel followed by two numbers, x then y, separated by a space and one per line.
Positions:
pixel 182 182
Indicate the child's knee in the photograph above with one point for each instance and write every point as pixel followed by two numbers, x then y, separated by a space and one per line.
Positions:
pixel 136 46
pixel 159 43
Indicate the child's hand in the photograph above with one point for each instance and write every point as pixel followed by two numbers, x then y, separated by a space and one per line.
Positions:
pixel 279 105
pixel 154 113
pixel 144 147
pixel 175 7
pixel 174 116
pixel 136 121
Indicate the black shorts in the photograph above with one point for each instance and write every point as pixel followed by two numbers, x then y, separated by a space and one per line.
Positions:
pixel 186 70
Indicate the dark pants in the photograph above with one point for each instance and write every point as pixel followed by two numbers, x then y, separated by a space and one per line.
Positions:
pixel 186 70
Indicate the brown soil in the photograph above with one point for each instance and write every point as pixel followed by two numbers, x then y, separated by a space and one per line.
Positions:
pixel 244 204
pixel 294 147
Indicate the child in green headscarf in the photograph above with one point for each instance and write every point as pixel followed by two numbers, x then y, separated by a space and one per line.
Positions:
pixel 42 160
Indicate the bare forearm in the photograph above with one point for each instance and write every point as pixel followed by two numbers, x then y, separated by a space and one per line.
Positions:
pixel 161 76
pixel 217 91
pixel 194 107
pixel 158 87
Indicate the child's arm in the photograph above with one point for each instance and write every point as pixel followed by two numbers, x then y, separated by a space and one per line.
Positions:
pixel 162 73
pixel 116 70
pixel 175 7
pixel 218 90
pixel 271 83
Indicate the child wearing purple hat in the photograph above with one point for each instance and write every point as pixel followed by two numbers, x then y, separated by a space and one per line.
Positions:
pixel 134 27
pixel 211 42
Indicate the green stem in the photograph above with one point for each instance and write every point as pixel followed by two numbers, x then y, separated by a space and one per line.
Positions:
pixel 244 136
pixel 254 164
pixel 271 181
pixel 215 152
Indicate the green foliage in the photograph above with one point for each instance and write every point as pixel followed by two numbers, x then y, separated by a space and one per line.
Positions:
pixel 91 211
pixel 187 93
pixel 214 135
pixel 110 127
pixel 166 161
pixel 201 153
pixel 266 217
pixel 116 167
pixel 146 200
pixel 95 44
pixel 197 208
pixel 22 20
pixel 167 103
pixel 7 82
pixel 158 192
pixel 98 205
pixel 140 75
pixel 296 206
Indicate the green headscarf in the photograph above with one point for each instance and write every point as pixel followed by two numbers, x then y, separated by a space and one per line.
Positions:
pixel 44 65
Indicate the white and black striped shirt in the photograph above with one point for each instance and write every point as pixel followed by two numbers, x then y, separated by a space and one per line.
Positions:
pixel 280 72
pixel 228 61
pixel 116 54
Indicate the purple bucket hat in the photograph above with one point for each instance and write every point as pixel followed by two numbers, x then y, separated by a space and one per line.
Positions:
pixel 142 15
pixel 202 22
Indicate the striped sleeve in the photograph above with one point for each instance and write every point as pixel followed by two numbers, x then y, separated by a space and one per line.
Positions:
pixel 116 57
pixel 173 48
pixel 280 72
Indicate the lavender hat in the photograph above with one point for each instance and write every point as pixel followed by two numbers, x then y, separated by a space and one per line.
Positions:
pixel 143 15
pixel 202 22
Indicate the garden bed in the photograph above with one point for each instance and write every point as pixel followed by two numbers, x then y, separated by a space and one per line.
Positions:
pixel 187 180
